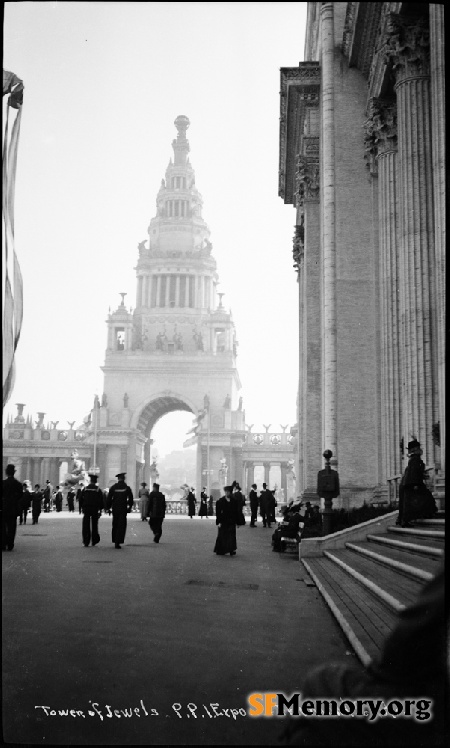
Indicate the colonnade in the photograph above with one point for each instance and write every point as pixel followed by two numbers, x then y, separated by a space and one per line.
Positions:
pixel 249 473
pixel 176 290
pixel 40 469
pixel 406 134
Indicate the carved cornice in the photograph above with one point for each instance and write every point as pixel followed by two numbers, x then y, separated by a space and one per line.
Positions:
pixel 407 47
pixel 361 29
pixel 380 132
pixel 299 89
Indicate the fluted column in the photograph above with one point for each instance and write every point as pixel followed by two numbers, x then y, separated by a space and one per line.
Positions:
pixel 329 234
pixel 381 145
pixel 437 65
pixel 408 53
pixel 148 301
pixel 177 291
pixel 144 290
pixel 158 290
pixel 308 242
pixel 299 258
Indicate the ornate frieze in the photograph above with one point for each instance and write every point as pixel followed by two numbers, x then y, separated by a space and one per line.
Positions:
pixel 380 131
pixel 306 179
pixel 407 47
pixel 298 246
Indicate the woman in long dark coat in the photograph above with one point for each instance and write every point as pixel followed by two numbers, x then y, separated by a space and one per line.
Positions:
pixel 203 509
pixel 191 503
pixel 416 500
pixel 227 514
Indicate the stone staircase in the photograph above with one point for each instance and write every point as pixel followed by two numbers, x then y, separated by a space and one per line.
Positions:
pixel 438 490
pixel 367 574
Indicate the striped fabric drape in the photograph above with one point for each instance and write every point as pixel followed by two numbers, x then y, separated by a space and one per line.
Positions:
pixel 13 283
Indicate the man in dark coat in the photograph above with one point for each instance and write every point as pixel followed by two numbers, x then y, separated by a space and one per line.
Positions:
pixel 36 503
pixel 191 500
pixel 48 491
pixel 254 505
pixel 415 500
pixel 120 500
pixel 227 517
pixel 203 510
pixel 71 499
pixel 91 501
pixel 12 491
pixel 26 503
pixel 156 511
pixel 267 506
pixel 58 499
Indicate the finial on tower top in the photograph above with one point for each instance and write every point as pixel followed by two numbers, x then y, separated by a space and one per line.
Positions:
pixel 182 123
pixel 123 297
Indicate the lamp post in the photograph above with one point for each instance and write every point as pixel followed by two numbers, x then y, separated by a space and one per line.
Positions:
pixel 94 469
pixel 223 472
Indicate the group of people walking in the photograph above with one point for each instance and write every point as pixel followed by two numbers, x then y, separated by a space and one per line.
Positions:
pixel 416 501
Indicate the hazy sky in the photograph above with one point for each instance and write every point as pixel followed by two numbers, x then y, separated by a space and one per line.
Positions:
pixel 103 85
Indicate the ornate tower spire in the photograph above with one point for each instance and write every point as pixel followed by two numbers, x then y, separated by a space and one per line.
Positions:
pixel 181 144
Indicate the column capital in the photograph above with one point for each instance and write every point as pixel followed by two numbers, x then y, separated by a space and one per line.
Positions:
pixel 407 47
pixel 380 131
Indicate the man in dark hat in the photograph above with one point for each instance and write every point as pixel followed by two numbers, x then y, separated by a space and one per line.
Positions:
pixel 36 504
pixel 11 507
pixel 156 511
pixel 415 500
pixel 267 506
pixel 48 493
pixel 91 502
pixel 254 504
pixel 120 500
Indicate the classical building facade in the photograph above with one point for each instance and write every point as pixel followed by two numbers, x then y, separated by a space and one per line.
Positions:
pixel 362 160
pixel 42 451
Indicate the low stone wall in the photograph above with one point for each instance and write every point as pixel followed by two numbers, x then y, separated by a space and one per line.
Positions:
pixel 316 546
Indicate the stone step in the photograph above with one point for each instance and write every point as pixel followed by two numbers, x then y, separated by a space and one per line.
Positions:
pixel 403 546
pixel 364 619
pixel 418 533
pixel 393 587
pixel 394 559
pixel 435 522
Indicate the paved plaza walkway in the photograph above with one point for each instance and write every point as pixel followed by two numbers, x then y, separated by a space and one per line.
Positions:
pixel 151 629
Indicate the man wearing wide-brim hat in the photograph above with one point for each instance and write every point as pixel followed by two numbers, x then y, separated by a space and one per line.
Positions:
pixel 120 500
pixel 11 507
pixel 415 500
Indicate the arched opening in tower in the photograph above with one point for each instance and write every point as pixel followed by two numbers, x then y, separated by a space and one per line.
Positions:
pixel 165 423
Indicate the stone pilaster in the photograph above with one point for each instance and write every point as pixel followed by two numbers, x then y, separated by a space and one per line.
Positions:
pixel 437 65
pixel 408 52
